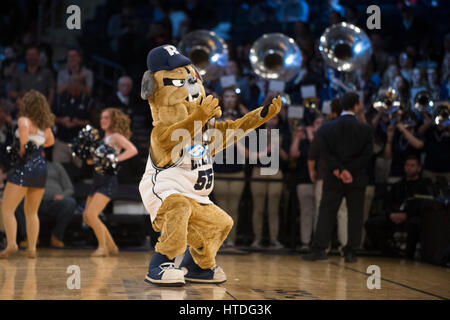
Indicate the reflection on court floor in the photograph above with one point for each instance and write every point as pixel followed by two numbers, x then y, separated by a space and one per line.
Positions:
pixel 253 276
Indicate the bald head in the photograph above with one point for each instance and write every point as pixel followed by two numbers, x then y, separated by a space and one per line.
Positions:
pixel 124 85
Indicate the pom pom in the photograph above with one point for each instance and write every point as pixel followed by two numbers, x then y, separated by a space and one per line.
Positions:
pixel 85 143
pixel 30 148
pixel 105 160
pixel 12 155
pixel 12 152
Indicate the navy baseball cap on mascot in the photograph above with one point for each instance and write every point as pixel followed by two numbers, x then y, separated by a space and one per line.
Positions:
pixel 171 85
pixel 165 57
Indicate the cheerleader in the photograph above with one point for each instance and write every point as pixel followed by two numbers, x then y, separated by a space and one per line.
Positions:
pixel 116 125
pixel 28 176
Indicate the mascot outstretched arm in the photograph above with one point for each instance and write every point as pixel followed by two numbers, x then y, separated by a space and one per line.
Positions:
pixel 176 184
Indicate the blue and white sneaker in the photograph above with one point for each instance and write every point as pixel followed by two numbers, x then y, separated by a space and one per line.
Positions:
pixel 193 273
pixel 162 271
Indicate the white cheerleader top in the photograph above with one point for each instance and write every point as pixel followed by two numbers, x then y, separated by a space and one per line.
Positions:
pixel 37 138
pixel 107 141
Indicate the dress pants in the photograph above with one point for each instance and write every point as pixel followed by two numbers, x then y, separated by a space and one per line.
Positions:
pixel 341 215
pixel 334 190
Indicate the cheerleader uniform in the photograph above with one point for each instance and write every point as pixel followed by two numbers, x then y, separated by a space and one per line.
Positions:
pixel 105 184
pixel 31 173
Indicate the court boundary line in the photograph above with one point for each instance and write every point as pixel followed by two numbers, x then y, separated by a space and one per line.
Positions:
pixel 227 292
pixel 391 281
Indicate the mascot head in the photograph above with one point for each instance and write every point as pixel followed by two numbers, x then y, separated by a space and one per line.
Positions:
pixel 171 85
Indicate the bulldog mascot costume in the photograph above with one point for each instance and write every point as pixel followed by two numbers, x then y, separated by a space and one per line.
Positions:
pixel 179 174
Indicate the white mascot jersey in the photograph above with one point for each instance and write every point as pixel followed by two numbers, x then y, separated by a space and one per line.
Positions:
pixel 191 176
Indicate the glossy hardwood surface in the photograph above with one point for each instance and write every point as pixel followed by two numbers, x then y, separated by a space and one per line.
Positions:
pixel 256 276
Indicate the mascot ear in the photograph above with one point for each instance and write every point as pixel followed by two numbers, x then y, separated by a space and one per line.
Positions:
pixel 147 85
pixel 198 72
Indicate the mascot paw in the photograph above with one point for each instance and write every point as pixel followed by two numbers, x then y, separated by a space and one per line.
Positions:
pixel 273 108
pixel 209 107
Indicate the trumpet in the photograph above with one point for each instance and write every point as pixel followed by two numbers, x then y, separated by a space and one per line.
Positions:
pixel 387 102
pixel 423 101
pixel 442 115
pixel 311 103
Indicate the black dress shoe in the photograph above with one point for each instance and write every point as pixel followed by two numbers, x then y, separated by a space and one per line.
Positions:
pixel 315 255
pixel 350 257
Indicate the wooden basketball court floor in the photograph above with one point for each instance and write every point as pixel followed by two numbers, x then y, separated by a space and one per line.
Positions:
pixel 253 276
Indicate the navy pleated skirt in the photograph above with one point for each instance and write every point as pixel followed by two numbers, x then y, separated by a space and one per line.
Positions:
pixel 105 184
pixel 31 173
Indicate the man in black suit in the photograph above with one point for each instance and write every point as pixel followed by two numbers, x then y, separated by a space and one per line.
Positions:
pixel 347 146
pixel 123 98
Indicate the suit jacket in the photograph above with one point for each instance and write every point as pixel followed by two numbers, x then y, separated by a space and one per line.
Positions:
pixel 347 144
pixel 114 101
